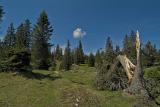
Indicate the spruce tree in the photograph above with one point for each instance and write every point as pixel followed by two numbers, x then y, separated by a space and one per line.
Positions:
pixel 1 13
pixel 76 56
pixel 58 53
pixel 20 38
pixel 132 47
pixel 129 46
pixel 10 39
pixel 149 54
pixel 27 33
pixel 91 60
pixel 117 50
pixel 80 53
pixel 109 55
pixel 40 46
pixel 125 45
pixel 2 50
pixel 72 56
pixel 1 41
pixel 67 61
pixel 103 67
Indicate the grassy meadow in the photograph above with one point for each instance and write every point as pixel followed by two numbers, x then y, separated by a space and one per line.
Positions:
pixel 58 89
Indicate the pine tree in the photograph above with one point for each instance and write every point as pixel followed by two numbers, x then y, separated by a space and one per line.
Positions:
pixel 41 36
pixel 117 50
pixel 149 54
pixel 20 37
pixel 132 45
pixel 58 53
pixel 1 41
pixel 72 56
pixel 27 33
pixel 125 45
pixel 10 39
pixel 76 56
pixel 67 61
pixel 2 51
pixel 91 60
pixel 80 53
pixel 1 13
pixel 103 67
pixel 129 46
pixel 109 55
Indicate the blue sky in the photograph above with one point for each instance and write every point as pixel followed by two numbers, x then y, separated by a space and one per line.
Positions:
pixel 97 18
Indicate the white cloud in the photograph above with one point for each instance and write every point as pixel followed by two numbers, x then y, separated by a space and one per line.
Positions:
pixel 79 33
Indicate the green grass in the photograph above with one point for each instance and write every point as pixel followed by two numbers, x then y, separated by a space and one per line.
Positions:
pixel 152 72
pixel 58 89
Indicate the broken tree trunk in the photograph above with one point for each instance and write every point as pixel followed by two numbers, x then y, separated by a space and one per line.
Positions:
pixel 128 66
pixel 120 73
pixel 137 86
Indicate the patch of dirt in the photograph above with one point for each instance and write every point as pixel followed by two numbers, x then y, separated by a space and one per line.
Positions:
pixel 78 97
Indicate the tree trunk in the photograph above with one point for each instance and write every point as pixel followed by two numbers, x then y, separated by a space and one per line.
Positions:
pixel 128 66
pixel 137 86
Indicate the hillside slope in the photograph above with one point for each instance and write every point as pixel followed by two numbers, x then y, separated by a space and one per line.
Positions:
pixel 57 89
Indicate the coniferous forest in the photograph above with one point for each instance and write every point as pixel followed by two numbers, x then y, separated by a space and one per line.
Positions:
pixel 35 72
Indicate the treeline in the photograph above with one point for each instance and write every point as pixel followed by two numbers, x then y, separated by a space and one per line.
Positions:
pixel 27 47
pixel 71 56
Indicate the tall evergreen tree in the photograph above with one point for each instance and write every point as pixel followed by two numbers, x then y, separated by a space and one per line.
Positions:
pixel 104 66
pixel 1 41
pixel 2 50
pixel 109 45
pixel 117 50
pixel 129 46
pixel 20 37
pixel 1 13
pixel 132 46
pixel 109 55
pixel 125 45
pixel 79 57
pixel 72 56
pixel 149 54
pixel 76 56
pixel 27 33
pixel 41 36
pixel 67 61
pixel 80 53
pixel 10 38
pixel 58 53
pixel 91 60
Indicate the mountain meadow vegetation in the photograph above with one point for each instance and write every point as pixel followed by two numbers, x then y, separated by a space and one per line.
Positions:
pixel 32 74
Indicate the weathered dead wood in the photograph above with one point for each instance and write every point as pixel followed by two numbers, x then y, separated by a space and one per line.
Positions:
pixel 120 73
pixel 137 86
pixel 128 66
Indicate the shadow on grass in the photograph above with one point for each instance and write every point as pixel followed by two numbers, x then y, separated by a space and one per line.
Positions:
pixel 39 76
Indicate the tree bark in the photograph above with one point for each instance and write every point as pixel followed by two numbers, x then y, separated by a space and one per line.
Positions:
pixel 137 86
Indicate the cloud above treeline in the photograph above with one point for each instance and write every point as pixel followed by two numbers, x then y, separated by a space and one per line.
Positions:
pixel 78 33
